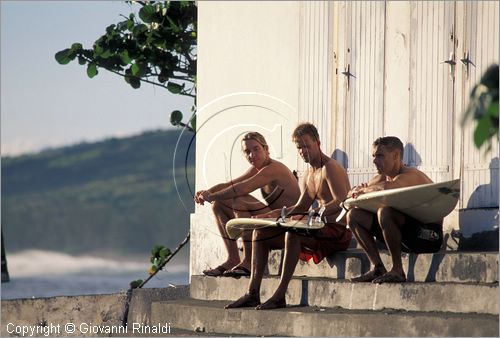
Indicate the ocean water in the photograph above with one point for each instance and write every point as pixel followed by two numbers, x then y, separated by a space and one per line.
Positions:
pixel 38 274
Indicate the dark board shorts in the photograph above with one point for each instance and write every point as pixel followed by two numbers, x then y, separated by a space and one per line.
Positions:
pixel 416 236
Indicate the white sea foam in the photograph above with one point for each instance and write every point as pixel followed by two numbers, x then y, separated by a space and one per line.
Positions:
pixel 47 263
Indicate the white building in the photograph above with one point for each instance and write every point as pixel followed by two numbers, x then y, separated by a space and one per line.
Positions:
pixel 358 70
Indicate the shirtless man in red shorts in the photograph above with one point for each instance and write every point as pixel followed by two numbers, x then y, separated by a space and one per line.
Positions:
pixel 325 181
pixel 396 230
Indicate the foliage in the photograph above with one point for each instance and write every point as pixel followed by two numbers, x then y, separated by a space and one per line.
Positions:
pixel 483 107
pixel 115 196
pixel 158 255
pixel 157 47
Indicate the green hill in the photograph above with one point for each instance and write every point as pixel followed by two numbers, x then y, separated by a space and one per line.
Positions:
pixel 114 196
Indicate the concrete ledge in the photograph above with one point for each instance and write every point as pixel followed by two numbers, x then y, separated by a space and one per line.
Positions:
pixel 104 310
pixel 438 297
pixel 209 316
pixel 443 266
pixel 140 303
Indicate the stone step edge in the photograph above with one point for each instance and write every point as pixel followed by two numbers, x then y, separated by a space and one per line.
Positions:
pixel 439 297
pixel 188 314
pixel 440 266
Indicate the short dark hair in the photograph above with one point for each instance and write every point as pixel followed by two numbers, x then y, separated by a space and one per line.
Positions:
pixel 305 128
pixel 391 143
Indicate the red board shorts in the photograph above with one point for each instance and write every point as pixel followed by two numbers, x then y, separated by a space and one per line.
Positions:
pixel 331 238
pixel 416 236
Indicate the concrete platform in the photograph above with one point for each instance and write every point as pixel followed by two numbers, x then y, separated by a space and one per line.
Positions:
pixel 443 266
pixel 210 316
pixel 436 297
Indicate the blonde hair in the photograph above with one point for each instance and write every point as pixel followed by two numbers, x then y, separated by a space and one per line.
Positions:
pixel 256 137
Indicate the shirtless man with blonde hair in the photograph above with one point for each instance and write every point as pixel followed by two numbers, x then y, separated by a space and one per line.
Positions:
pixel 396 230
pixel 232 199
pixel 326 182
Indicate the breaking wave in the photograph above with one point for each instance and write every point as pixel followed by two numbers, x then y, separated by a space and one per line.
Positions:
pixel 49 263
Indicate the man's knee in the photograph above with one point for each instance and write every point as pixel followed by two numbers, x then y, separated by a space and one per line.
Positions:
pixel 216 206
pixel 387 216
pixel 358 217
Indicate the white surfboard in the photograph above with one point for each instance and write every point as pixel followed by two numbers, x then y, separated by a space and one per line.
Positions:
pixel 236 226
pixel 427 202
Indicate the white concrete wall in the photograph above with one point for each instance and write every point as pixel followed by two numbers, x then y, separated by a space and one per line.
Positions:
pixel 248 61
pixel 262 65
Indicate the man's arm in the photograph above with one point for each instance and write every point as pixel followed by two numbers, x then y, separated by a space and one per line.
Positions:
pixel 198 197
pixel 406 179
pixel 338 189
pixel 302 205
pixel 244 187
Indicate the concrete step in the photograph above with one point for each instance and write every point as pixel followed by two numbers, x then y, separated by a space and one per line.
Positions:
pixel 443 266
pixel 415 296
pixel 210 316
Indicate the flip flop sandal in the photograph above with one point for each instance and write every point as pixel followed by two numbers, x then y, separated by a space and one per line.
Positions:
pixel 218 271
pixel 237 272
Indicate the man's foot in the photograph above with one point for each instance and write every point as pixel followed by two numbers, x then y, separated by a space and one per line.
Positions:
pixel 370 275
pixel 247 300
pixel 272 304
pixel 218 271
pixel 390 277
pixel 237 272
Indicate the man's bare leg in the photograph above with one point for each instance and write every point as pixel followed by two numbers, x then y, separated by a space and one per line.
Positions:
pixel 246 206
pixel 223 213
pixel 263 241
pixel 391 222
pixel 360 223
pixel 293 243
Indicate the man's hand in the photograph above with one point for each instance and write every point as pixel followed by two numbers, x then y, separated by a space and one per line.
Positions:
pixel 357 190
pixel 199 198
pixel 207 196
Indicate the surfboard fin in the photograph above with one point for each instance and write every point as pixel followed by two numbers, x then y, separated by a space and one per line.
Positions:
pixel 282 218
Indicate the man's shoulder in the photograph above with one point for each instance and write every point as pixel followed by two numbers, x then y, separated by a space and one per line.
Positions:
pixel 333 164
pixel 414 176
pixel 276 167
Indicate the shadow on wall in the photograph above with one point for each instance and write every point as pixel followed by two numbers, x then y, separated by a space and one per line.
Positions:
pixel 411 157
pixel 480 217
pixel 341 157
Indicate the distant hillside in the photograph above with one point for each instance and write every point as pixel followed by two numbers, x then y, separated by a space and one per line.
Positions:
pixel 114 196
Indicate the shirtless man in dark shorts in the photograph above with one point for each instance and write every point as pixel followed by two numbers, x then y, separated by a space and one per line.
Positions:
pixel 325 181
pixel 396 230
pixel 232 199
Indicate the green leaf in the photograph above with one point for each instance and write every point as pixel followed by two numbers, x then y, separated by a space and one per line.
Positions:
pixel 164 252
pixel 155 250
pixel 135 82
pixel 175 117
pixel 482 131
pixel 192 122
pixel 174 88
pixel 136 283
pixel 130 24
pixel 173 25
pixel 147 13
pixel 493 110
pixel 62 57
pixel 125 57
pixel 81 60
pixel 76 47
pixel 92 70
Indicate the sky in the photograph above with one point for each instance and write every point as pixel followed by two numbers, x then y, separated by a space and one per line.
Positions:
pixel 45 104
